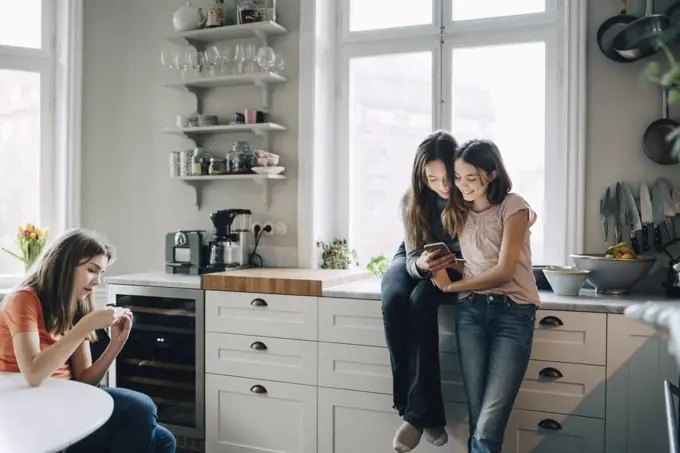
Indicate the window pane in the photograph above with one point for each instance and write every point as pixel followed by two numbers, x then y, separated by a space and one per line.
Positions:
pixel 390 109
pixel 510 110
pixel 19 157
pixel 484 9
pixel 21 23
pixel 380 14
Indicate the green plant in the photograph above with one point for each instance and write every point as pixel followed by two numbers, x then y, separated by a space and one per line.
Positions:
pixel 30 241
pixel 377 265
pixel 337 255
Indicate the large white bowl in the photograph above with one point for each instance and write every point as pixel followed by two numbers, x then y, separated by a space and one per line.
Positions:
pixel 566 281
pixel 613 276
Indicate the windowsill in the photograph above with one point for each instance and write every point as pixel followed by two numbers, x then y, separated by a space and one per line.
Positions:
pixel 8 282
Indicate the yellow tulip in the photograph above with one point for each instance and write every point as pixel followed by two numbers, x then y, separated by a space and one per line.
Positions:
pixel 21 230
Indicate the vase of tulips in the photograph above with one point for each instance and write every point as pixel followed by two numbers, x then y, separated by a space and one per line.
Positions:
pixel 30 242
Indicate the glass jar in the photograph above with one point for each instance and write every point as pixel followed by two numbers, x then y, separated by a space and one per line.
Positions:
pixel 238 161
pixel 218 166
pixel 196 163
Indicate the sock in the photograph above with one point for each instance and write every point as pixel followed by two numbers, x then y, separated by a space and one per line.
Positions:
pixel 436 436
pixel 406 438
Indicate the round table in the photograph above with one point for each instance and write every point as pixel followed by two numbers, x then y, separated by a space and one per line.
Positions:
pixel 48 418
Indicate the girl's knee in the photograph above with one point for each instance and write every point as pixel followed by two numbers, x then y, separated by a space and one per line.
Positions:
pixel 164 441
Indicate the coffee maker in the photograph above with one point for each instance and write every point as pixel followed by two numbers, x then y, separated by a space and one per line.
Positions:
pixel 231 240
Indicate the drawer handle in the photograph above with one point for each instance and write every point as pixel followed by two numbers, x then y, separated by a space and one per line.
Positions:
pixel 258 303
pixel 258 389
pixel 552 321
pixel 258 346
pixel 549 423
pixel 550 372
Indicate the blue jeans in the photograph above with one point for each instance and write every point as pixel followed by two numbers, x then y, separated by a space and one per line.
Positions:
pixel 494 342
pixel 131 428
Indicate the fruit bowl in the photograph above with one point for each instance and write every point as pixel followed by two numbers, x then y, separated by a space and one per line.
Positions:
pixel 614 275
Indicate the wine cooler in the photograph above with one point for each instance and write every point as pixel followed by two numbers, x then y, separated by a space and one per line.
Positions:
pixel 164 356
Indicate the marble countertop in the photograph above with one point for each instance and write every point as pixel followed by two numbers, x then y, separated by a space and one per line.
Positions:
pixel 588 300
pixel 158 279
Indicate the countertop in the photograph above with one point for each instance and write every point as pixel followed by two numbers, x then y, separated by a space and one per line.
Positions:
pixel 588 300
pixel 157 278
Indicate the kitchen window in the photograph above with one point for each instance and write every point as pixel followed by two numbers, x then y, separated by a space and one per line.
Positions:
pixel 479 68
pixel 33 160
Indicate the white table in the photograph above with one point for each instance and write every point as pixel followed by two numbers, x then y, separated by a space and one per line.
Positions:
pixel 48 418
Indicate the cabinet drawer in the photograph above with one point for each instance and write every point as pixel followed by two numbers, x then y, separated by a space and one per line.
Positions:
pixel 572 337
pixel 530 432
pixel 563 388
pixel 359 322
pixel 271 315
pixel 250 416
pixel 275 359
pixel 367 368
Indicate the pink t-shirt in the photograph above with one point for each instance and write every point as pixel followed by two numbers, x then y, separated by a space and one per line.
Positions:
pixel 480 245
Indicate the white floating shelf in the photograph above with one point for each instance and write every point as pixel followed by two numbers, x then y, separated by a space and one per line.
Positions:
pixel 244 31
pixel 256 128
pixel 262 180
pixel 258 78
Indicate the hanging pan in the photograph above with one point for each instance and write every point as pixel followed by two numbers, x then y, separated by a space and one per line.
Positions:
pixel 655 141
pixel 609 29
pixel 640 39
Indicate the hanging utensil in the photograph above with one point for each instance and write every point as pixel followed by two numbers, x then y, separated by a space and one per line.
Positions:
pixel 640 39
pixel 606 209
pixel 619 213
pixel 645 214
pixel 658 218
pixel 668 206
pixel 609 29
pixel 655 142
pixel 632 217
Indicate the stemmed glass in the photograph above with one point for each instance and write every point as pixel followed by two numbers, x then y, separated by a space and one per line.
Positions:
pixel 239 58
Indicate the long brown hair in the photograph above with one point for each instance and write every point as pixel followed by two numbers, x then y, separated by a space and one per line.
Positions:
pixel 485 156
pixel 53 278
pixel 420 199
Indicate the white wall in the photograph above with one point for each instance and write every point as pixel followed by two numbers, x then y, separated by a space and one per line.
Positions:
pixel 126 190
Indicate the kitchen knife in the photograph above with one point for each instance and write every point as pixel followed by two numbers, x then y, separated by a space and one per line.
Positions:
pixel 645 214
pixel 658 217
pixel 619 213
pixel 605 212
pixel 632 217
pixel 668 206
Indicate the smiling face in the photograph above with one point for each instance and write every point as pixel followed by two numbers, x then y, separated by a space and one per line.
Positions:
pixel 438 178
pixel 471 181
pixel 87 275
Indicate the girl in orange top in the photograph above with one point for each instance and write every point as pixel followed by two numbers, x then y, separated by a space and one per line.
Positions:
pixel 46 328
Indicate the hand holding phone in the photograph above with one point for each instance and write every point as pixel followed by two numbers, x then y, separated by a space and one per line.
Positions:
pixel 436 256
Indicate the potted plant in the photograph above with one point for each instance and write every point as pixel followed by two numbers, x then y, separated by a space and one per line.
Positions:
pixel 337 255
pixel 377 265
pixel 30 242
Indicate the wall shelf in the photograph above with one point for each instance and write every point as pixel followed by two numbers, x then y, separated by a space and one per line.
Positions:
pixel 196 182
pixel 257 129
pixel 256 78
pixel 199 38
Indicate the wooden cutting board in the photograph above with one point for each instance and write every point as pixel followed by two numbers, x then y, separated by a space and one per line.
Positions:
pixel 296 282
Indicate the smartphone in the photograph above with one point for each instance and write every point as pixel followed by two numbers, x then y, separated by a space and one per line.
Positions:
pixel 443 249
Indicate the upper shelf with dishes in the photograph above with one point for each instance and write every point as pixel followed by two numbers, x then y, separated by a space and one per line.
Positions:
pixel 261 30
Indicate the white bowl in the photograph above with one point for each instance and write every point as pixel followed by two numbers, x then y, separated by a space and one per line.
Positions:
pixel 268 170
pixel 566 281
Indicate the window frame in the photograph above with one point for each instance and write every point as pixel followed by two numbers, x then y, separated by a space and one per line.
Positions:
pixel 59 63
pixel 562 231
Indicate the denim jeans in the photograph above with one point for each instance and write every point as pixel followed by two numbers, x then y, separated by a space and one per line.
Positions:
pixel 131 428
pixel 494 337
pixel 409 309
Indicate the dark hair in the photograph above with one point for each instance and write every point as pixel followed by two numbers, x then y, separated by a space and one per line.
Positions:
pixel 52 280
pixel 485 156
pixel 420 199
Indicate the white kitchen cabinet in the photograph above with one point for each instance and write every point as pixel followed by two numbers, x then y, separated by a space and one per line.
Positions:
pixel 637 365
pixel 540 432
pixel 570 337
pixel 358 422
pixel 255 416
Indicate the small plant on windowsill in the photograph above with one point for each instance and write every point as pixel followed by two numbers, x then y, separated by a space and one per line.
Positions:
pixel 337 255
pixel 377 265
pixel 30 242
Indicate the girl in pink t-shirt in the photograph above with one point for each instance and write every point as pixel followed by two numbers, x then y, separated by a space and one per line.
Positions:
pixel 498 298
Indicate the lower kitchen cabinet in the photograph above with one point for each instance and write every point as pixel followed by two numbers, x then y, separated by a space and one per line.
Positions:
pixel 255 416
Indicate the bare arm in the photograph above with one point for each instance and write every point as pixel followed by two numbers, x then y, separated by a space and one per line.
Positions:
pixel 37 365
pixel 514 232
pixel 86 371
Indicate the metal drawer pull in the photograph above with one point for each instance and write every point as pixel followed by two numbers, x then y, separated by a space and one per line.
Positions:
pixel 549 423
pixel 258 303
pixel 550 372
pixel 258 389
pixel 551 321
pixel 258 346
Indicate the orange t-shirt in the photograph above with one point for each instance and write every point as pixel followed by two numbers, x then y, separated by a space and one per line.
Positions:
pixel 21 312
